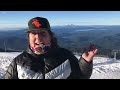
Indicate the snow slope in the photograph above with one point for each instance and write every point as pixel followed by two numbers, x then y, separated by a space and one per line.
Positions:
pixel 103 68
pixel 5 60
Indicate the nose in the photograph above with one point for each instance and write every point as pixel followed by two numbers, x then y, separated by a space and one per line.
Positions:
pixel 38 37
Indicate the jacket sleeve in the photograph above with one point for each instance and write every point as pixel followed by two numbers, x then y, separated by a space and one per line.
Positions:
pixel 86 68
pixel 82 69
pixel 11 72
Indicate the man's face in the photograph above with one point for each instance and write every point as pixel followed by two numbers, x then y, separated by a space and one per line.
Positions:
pixel 37 39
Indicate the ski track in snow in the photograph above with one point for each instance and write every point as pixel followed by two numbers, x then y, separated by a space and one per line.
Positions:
pixel 103 68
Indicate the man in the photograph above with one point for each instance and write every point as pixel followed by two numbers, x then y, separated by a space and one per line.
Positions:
pixel 44 59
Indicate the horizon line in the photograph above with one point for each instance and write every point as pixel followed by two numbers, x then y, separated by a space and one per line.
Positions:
pixel 15 28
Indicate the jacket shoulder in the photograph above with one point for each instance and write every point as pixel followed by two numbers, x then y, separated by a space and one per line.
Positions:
pixel 64 51
pixel 20 58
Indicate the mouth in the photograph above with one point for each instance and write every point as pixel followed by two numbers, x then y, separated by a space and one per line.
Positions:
pixel 40 47
pixel 39 44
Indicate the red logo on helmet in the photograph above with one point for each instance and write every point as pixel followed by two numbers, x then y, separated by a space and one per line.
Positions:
pixel 36 23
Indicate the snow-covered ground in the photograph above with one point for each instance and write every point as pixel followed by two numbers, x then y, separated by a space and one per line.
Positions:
pixel 103 68
pixel 5 60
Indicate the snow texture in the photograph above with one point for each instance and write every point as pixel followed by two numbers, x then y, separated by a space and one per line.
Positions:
pixel 103 68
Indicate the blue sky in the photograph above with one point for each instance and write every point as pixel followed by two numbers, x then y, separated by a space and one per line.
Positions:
pixel 16 19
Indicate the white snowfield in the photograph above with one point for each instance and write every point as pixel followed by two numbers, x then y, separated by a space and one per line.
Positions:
pixel 103 68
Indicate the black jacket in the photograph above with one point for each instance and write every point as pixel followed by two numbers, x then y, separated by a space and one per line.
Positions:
pixel 57 63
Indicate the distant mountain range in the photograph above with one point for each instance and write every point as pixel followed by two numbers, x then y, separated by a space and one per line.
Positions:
pixel 72 37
